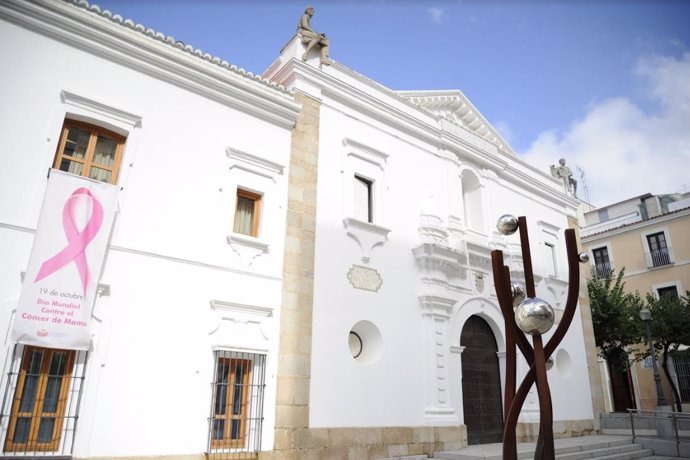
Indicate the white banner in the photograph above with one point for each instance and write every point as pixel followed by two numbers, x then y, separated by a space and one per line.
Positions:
pixel 60 284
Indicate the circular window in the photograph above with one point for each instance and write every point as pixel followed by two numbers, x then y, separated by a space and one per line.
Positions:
pixel 564 363
pixel 365 342
pixel 355 342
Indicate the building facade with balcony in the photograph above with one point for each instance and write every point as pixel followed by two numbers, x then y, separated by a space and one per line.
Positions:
pixel 648 236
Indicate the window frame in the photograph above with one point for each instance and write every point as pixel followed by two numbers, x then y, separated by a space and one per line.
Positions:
pixel 227 442
pixel 36 415
pixel 607 265
pixel 664 257
pixel 88 163
pixel 369 185
pixel 256 198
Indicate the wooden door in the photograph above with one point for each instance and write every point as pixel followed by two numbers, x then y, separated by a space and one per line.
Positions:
pixel 481 383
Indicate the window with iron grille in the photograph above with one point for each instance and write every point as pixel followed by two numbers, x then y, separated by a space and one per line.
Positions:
pixel 669 291
pixel 681 364
pixel 658 249
pixel 41 401
pixel 237 404
pixel 602 264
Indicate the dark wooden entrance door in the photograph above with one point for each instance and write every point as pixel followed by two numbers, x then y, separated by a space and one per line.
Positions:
pixel 622 389
pixel 481 383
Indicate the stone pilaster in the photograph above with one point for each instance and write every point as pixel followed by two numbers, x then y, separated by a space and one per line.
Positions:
pixel 595 385
pixel 294 352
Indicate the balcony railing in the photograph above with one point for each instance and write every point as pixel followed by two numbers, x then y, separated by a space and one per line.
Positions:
pixel 658 258
pixel 603 269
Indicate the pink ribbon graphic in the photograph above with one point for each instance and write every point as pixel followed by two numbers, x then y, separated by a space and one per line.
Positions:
pixel 76 241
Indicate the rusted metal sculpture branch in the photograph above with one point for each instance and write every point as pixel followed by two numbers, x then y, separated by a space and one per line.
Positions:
pixel 536 356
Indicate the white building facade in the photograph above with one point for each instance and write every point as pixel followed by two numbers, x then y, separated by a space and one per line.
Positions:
pixel 410 186
pixel 189 297
pixel 299 264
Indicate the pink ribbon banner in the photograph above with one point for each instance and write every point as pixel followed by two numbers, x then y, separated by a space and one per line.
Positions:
pixel 61 280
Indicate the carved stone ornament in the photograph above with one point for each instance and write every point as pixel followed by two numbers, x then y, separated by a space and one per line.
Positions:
pixel 364 278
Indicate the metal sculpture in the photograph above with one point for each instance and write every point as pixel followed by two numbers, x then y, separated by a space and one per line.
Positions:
pixel 535 317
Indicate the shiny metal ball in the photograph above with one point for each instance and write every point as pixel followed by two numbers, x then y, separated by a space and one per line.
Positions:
pixel 518 293
pixel 507 224
pixel 534 316
pixel 584 257
pixel 549 363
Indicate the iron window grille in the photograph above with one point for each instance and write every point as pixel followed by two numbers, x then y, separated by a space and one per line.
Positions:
pixel 236 419
pixel 658 250
pixel 602 264
pixel 40 405
pixel 681 364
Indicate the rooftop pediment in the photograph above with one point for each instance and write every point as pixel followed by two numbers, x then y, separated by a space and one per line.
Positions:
pixel 454 106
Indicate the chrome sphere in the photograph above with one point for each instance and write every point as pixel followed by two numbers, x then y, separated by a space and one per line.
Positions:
pixel 584 257
pixel 534 316
pixel 518 294
pixel 549 363
pixel 507 224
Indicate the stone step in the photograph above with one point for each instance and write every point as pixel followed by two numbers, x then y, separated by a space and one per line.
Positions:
pixel 610 452
pixel 585 447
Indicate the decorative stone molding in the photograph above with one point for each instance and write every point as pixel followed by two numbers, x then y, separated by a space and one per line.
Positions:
pixel 364 152
pixel 254 164
pixel 364 278
pixel 103 110
pixel 479 256
pixel 454 106
pixel 439 262
pixel 237 320
pixel 119 40
pixel 247 247
pixel 366 235
pixel 436 312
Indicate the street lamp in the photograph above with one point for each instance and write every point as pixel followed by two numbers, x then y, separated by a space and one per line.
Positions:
pixel 646 317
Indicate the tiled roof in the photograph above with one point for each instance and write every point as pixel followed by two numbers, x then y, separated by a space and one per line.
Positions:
pixel 171 41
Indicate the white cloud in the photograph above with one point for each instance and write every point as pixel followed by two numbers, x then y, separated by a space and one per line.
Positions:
pixel 624 150
pixel 436 15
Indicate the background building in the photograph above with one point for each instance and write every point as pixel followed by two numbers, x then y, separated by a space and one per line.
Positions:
pixel 648 236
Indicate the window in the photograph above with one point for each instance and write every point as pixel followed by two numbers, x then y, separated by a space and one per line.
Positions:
pixel 238 387
pixel 89 151
pixel 602 263
pixel 658 249
pixel 550 259
pixel 363 204
pixel 40 399
pixel 669 291
pixel 247 212
pixel 681 364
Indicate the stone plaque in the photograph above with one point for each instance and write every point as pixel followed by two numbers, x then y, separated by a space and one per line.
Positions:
pixel 364 278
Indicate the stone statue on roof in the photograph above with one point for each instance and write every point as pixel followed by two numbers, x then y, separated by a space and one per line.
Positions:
pixel 566 175
pixel 312 38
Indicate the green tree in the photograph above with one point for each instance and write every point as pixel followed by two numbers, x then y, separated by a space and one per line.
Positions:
pixel 670 328
pixel 614 316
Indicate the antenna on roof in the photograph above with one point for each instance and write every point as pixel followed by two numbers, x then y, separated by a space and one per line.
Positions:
pixel 581 173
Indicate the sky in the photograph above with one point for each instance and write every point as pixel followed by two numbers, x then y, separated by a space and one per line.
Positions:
pixel 603 84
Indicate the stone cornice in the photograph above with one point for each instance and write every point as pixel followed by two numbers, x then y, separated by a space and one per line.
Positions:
pixel 129 44
pixel 420 123
pixel 455 106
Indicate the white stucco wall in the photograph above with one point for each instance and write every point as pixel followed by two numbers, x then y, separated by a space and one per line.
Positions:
pixel 151 364
pixel 418 189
